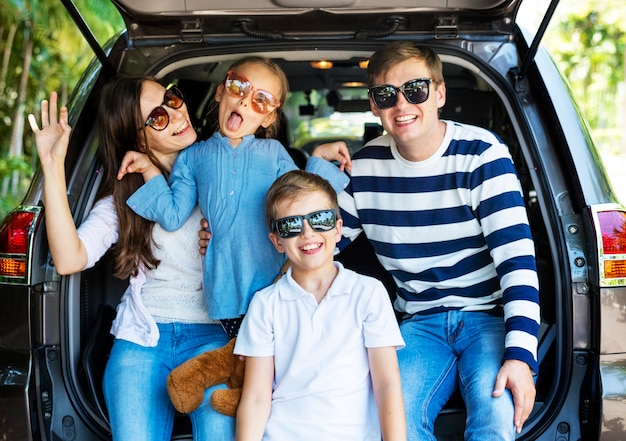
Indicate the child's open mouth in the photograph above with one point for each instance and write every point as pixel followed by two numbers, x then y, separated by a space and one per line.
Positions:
pixel 234 121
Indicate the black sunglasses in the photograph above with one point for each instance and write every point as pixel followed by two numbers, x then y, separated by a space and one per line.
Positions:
pixel 292 226
pixel 159 118
pixel 415 91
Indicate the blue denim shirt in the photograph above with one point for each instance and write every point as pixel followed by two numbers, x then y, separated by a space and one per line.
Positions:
pixel 230 185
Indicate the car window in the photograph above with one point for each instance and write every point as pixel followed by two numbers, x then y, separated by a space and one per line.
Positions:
pixel 319 116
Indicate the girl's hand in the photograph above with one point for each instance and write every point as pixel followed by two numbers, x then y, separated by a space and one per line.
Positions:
pixel 135 162
pixel 54 136
pixel 335 151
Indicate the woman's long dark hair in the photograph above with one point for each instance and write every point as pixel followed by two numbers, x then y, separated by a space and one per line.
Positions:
pixel 120 129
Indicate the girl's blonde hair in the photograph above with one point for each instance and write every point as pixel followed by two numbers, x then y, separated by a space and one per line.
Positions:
pixel 273 129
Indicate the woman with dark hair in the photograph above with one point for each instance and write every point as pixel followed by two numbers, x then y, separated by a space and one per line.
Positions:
pixel 162 319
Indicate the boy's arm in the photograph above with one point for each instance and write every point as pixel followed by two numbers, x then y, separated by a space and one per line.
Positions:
pixel 388 392
pixel 256 398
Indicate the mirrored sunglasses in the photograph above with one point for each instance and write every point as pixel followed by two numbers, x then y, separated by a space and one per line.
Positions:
pixel 238 86
pixel 386 96
pixel 159 119
pixel 292 226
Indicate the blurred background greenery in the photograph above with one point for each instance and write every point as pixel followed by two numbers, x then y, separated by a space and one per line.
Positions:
pixel 42 50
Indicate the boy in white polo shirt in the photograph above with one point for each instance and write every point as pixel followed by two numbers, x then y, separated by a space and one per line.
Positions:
pixel 320 344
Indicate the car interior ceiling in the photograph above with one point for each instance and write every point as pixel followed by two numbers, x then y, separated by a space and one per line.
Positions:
pixel 468 100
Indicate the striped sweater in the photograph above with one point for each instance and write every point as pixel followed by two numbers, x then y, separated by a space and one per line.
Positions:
pixel 452 230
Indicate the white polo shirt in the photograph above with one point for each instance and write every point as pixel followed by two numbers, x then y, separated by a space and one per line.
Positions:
pixel 322 386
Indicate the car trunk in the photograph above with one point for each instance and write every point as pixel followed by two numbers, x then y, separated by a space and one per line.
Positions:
pixel 487 86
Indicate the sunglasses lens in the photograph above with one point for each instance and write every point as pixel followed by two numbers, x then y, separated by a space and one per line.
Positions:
pixel 416 92
pixel 322 220
pixel 292 226
pixel 288 226
pixel 236 85
pixel 158 118
pixel 173 98
pixel 384 97
pixel 263 102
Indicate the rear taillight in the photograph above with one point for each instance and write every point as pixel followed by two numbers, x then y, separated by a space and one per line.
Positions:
pixel 16 234
pixel 612 246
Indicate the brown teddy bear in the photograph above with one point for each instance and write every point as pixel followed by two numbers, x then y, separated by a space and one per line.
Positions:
pixel 186 383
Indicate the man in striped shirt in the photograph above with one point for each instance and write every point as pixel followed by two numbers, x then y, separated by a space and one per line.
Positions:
pixel 442 206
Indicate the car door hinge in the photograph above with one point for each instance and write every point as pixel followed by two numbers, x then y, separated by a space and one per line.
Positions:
pixel 447 27
pixel 46 286
pixel 191 31
pixel 519 80
pixel 575 242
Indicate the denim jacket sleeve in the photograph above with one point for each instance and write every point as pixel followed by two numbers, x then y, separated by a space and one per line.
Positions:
pixel 168 205
pixel 329 171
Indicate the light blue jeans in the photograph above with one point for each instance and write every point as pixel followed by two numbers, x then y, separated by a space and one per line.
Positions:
pixel 448 351
pixel 135 388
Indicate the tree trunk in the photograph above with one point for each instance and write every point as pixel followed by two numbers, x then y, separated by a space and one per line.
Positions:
pixel 7 56
pixel 16 148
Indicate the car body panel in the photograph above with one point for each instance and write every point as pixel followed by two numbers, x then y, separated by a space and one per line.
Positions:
pixel 195 19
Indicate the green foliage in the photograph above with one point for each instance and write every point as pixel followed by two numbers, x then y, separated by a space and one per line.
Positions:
pixel 60 54
pixel 8 169
pixel 8 165
pixel 590 51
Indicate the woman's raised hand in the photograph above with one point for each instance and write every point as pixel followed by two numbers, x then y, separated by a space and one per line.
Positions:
pixel 52 140
pixel 54 136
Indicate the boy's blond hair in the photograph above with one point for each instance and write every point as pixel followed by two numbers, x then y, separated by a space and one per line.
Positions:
pixel 291 186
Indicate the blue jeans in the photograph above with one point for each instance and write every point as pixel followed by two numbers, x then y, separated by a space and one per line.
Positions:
pixel 135 388
pixel 448 351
